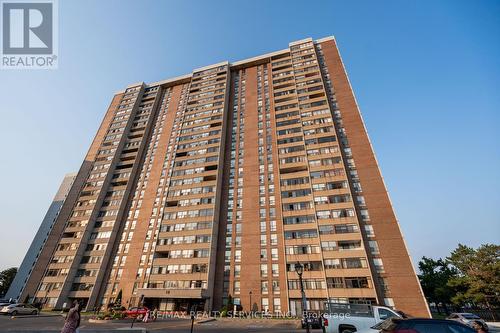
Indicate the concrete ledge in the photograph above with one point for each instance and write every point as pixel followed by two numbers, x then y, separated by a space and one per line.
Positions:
pixel 36 316
pixel 203 321
pixel 100 321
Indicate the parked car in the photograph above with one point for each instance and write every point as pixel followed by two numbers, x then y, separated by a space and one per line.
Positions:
pixel 349 318
pixel 19 308
pixel 467 318
pixel 136 311
pixel 418 325
pixel 314 319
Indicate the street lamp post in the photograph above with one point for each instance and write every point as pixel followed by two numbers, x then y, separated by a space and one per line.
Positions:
pixel 299 268
pixel 44 303
pixel 250 294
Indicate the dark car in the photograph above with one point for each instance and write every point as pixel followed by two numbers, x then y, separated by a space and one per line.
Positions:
pixel 421 325
pixel 467 319
pixel 313 318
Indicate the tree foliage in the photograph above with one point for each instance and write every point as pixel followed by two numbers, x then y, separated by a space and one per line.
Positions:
pixel 434 278
pixel 467 277
pixel 478 278
pixel 6 278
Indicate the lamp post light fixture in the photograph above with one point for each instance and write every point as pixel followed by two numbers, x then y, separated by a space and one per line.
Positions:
pixel 299 268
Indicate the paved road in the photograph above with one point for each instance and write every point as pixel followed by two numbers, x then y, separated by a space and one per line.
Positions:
pixel 54 324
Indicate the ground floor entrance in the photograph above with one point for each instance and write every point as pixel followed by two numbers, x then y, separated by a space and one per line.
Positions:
pixel 175 304
pixel 82 301
pixel 318 304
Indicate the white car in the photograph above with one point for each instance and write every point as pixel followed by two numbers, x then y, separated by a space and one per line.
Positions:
pixel 19 308
pixel 466 318
pixel 349 318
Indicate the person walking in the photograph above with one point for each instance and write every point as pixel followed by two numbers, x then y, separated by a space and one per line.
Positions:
pixel 72 321
pixel 154 314
pixel 146 317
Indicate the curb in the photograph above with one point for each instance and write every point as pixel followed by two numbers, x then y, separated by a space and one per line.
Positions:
pixel 121 330
pixel 205 321
pixel 98 321
pixel 35 316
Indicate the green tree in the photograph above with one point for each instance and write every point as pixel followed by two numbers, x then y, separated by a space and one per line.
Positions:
pixel 479 275
pixel 434 278
pixel 6 278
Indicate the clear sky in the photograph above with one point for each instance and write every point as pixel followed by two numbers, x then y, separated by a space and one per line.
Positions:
pixel 426 75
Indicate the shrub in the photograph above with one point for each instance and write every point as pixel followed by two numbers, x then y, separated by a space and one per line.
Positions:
pixel 118 315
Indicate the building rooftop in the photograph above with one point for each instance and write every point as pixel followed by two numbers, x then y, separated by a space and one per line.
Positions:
pixel 242 63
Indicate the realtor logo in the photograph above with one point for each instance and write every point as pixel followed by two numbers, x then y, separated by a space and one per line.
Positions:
pixel 29 34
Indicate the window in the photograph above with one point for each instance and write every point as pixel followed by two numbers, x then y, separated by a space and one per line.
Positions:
pixel 263 254
pixel 349 245
pixel 263 270
pixel 373 245
pixel 301 234
pixel 274 239
pixel 389 302
pixel 275 269
pixel 309 284
pixel 332 264
pixel 264 287
pixel 276 287
pixel 298 219
pixel 272 225
pixel 236 287
pixel 265 304
pixel 379 265
pixel 354 263
pixel 328 245
pixel 364 214
pixel 356 282
pixel 277 305
pixel 335 282
pixel 369 230
pixel 274 254
pixel 384 314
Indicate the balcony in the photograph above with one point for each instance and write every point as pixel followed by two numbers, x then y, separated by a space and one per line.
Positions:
pixel 173 293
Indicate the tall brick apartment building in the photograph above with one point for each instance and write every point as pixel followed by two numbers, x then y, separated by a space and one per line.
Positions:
pixel 216 183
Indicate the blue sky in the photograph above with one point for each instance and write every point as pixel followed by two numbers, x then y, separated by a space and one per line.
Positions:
pixel 426 75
